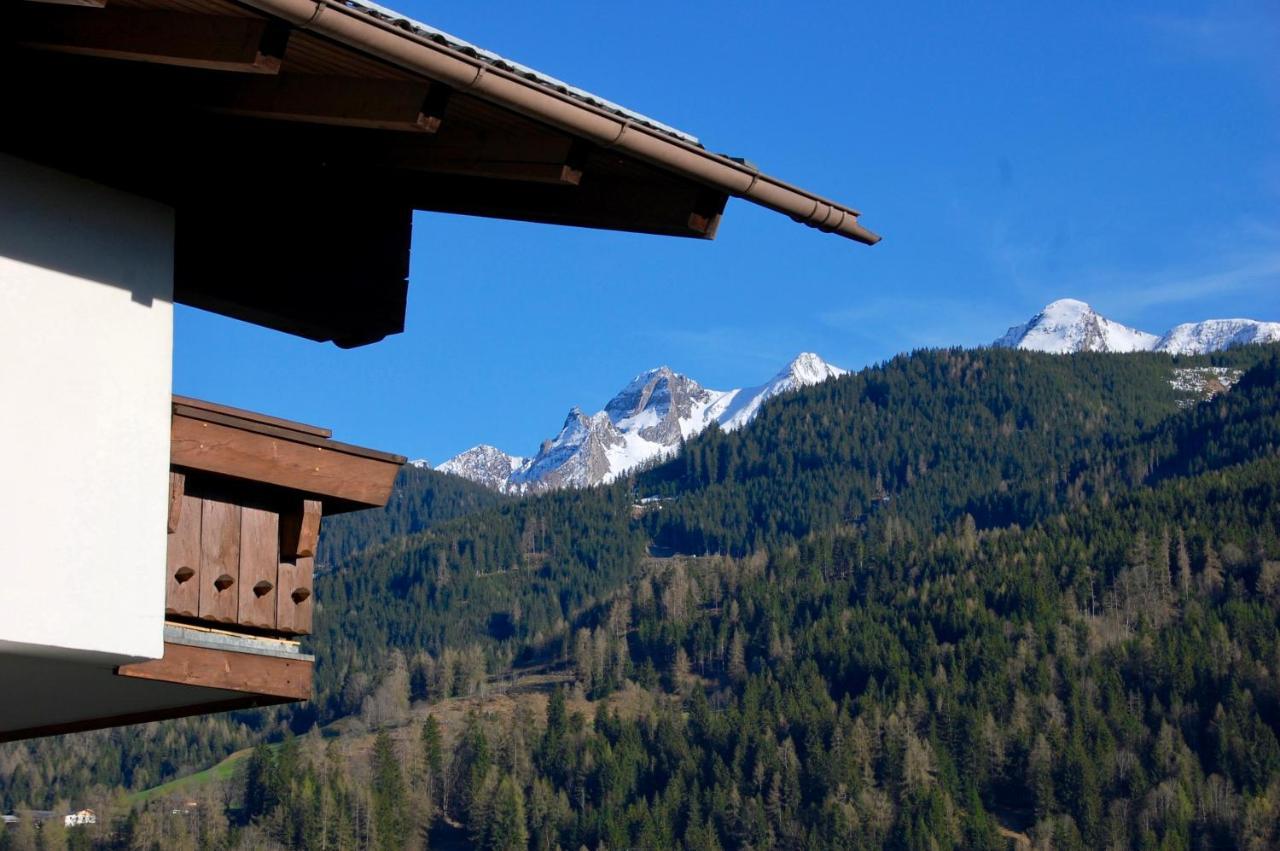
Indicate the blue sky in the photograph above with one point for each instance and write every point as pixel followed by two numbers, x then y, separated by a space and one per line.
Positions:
pixel 1009 154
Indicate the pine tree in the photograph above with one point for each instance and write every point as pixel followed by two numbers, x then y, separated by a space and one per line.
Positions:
pixel 509 831
pixel 260 789
pixel 390 816
pixel 432 746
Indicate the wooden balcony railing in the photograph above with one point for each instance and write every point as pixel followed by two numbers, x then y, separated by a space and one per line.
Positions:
pixel 246 497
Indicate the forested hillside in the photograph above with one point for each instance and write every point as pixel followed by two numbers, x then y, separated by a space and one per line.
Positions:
pixel 422 498
pixel 955 600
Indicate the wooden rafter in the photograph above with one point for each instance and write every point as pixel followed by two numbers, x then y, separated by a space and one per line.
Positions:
pixel 411 105
pixel 541 157
pixel 93 4
pixel 211 42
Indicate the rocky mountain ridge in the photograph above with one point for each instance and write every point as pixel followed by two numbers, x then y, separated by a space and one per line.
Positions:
pixel 649 418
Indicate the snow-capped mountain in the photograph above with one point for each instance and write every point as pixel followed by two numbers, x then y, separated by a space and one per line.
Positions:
pixel 488 465
pixel 647 419
pixel 1068 325
pixel 1213 335
pixel 805 370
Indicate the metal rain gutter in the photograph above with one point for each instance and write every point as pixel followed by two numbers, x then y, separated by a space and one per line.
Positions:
pixel 417 53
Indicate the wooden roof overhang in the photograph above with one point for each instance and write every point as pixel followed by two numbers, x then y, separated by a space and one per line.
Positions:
pixel 294 138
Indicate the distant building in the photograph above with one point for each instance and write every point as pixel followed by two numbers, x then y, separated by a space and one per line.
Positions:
pixel 76 819
pixel 186 808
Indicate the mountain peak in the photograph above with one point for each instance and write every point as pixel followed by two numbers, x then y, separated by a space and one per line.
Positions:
pixel 649 418
pixel 1211 335
pixel 1070 325
pixel 485 464
pixel 807 368
pixel 1068 305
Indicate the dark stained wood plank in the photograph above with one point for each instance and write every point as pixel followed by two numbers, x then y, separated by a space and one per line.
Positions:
pixel 543 157
pixel 164 37
pixel 296 600
pixel 300 529
pixel 655 205
pixel 286 434
pixel 177 484
pixel 182 581
pixel 92 4
pixel 328 472
pixel 219 561
pixel 259 562
pixel 224 669
pixel 338 101
pixel 196 407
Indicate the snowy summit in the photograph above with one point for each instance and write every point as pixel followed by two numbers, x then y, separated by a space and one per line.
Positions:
pixel 1068 325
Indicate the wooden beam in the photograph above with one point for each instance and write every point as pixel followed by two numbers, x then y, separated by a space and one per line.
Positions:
pixel 407 105
pixel 199 407
pixel 300 529
pixel 269 676
pixel 182 585
pixel 657 205
pixel 546 157
pixel 177 487
pixel 324 470
pixel 244 44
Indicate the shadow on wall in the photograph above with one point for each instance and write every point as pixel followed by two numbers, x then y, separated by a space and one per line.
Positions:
pixel 44 222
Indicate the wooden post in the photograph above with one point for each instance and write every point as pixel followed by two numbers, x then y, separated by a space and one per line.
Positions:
pixel 220 561
pixel 300 529
pixel 259 560
pixel 182 584
pixel 295 601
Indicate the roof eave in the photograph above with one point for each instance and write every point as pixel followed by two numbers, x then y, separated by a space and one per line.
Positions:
pixel 370 34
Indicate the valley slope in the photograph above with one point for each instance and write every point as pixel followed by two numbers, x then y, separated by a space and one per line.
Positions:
pixel 954 593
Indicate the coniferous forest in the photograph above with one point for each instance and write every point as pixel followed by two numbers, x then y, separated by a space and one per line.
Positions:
pixel 961 599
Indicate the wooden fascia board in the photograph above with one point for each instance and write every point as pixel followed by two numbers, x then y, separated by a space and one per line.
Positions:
pixel 328 469
pixel 204 667
pixel 245 44
pixel 199 407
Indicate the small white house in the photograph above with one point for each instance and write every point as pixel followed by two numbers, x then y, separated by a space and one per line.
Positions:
pixel 80 817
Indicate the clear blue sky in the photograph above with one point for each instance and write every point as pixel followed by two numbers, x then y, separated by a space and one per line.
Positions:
pixel 1010 154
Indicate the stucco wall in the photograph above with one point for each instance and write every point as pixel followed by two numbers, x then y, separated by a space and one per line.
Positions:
pixel 86 330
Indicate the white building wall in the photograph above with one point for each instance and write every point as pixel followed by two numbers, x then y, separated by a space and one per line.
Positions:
pixel 86 331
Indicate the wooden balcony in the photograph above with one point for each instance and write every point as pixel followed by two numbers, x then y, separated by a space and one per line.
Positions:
pixel 246 497
pixel 247 494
